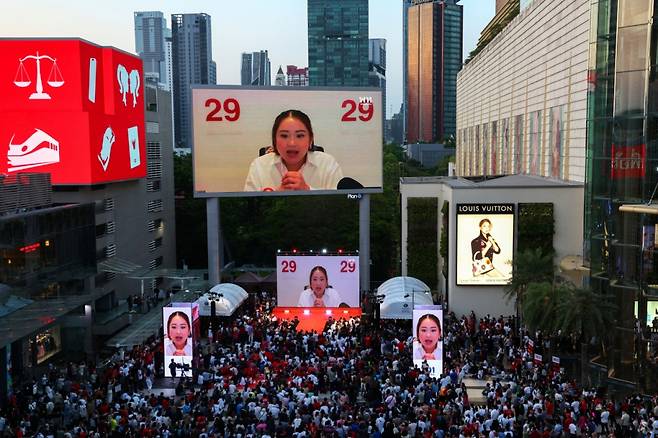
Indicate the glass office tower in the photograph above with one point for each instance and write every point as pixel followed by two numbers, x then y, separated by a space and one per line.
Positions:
pixel 433 50
pixel 621 219
pixel 338 43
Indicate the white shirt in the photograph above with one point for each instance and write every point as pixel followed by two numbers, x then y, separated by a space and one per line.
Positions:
pixel 170 348
pixel 331 298
pixel 321 172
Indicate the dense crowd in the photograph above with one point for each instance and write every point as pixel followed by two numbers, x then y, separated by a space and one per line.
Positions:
pixel 260 377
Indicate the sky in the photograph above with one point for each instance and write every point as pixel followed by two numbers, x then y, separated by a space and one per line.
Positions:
pixel 280 27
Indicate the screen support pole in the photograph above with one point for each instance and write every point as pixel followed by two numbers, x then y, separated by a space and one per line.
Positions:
pixel 364 241
pixel 214 241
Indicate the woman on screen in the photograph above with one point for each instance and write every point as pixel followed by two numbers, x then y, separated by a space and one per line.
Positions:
pixel 483 248
pixel 178 342
pixel 318 293
pixel 292 164
pixel 428 335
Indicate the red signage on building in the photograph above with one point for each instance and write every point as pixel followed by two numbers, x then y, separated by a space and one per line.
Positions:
pixel 72 109
pixel 628 161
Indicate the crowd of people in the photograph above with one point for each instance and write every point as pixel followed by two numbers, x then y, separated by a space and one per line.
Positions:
pixel 261 377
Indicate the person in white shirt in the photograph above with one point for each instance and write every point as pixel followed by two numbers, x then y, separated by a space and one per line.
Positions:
pixel 319 293
pixel 293 164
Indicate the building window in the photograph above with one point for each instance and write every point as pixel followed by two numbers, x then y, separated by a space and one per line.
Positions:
pixel 153 186
pixel 109 204
pixel 155 263
pixel 110 250
pixel 154 206
pixel 153 170
pixel 154 244
pixel 155 224
pixel 153 150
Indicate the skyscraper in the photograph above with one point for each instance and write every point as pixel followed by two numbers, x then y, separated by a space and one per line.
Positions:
pixel 245 69
pixel 193 64
pixel 280 80
pixel 434 57
pixel 150 44
pixel 338 42
pixel 377 69
pixel 256 69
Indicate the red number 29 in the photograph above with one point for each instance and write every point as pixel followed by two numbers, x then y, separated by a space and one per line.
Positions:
pixel 231 110
pixel 288 266
pixel 347 266
pixel 366 111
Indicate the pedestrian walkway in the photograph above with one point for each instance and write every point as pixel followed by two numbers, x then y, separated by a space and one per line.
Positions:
pixel 142 326
pixel 474 388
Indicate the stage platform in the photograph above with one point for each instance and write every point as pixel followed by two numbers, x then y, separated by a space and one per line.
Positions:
pixel 314 318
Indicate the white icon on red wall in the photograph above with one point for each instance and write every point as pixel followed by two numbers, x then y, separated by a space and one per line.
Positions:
pixel 106 148
pixel 39 149
pixel 128 83
pixel 133 146
pixel 54 80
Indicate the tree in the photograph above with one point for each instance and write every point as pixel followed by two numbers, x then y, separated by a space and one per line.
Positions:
pixel 587 314
pixel 540 306
pixel 529 266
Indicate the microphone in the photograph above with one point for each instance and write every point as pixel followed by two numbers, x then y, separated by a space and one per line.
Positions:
pixel 348 183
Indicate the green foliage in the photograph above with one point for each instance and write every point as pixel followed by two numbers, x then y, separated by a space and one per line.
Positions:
pixel 422 258
pixel 540 305
pixel 536 227
pixel 530 266
pixel 443 242
pixel 441 168
pixel 585 312
pixel 191 243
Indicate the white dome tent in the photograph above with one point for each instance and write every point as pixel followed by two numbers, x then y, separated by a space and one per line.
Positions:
pixel 227 296
pixel 400 295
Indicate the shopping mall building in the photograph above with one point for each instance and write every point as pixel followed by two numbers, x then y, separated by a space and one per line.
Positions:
pixel 568 91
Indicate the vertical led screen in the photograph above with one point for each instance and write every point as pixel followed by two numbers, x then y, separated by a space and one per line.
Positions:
pixel 178 341
pixel 317 281
pixel 485 244
pixel 252 141
pixel 428 339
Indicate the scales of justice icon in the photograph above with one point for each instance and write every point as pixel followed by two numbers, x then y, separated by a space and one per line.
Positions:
pixel 22 78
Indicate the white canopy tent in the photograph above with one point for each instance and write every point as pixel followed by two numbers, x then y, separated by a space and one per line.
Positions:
pixel 227 297
pixel 400 295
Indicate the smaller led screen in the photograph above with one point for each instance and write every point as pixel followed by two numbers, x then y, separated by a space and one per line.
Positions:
pixel 178 341
pixel 317 281
pixel 485 244
pixel 428 339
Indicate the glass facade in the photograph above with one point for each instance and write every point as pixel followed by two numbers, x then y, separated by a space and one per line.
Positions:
pixel 48 253
pixel 622 169
pixel 433 59
pixel 338 43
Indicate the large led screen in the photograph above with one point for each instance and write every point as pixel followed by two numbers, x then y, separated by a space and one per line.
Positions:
pixel 279 140
pixel 178 341
pixel 485 244
pixel 72 109
pixel 317 281
pixel 428 339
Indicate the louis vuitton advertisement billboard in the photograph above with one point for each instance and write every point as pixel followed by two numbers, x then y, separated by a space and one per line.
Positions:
pixel 485 244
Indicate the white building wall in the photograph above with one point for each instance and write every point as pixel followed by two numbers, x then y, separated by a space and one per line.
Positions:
pixel 537 63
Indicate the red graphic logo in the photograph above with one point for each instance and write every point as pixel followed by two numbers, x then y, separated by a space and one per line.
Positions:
pixel 628 161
